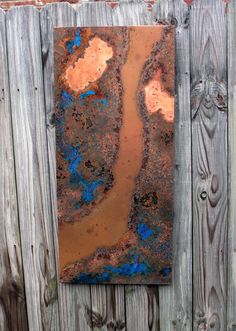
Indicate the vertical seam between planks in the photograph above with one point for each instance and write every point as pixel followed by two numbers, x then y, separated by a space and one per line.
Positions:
pixel 125 315
pixel 49 174
pixel 192 186
pixel 191 143
pixel 228 155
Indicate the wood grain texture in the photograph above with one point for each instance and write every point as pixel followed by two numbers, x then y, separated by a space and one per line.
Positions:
pixel 209 151
pixel 107 308
pixel 141 308
pixel 176 300
pixel 72 300
pixel 30 147
pixel 13 314
pixel 231 299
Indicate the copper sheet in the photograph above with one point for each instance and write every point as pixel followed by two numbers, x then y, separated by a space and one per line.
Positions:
pixel 114 117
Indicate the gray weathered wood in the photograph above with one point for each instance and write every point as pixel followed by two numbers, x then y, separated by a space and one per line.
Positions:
pixel 209 150
pixel 30 147
pixel 72 300
pixel 176 300
pixel 131 13
pixel 13 314
pixel 108 307
pixel 85 308
pixel 231 300
pixel 142 309
pixel 94 14
pixel 162 12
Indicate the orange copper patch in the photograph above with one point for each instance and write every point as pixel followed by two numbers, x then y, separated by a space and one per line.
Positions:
pixel 91 67
pixel 159 100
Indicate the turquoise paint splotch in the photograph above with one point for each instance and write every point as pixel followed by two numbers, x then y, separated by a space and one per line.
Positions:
pixel 86 94
pixel 74 42
pixel 143 231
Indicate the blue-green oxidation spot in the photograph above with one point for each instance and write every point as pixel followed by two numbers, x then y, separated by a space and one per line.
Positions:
pixel 166 271
pixel 89 189
pixel 165 250
pixel 73 156
pixel 143 231
pixel 86 94
pixel 91 278
pixel 70 44
pixel 103 101
pixel 66 100
pixel 130 269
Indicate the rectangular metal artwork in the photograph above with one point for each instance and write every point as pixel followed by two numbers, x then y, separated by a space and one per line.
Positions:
pixel 114 118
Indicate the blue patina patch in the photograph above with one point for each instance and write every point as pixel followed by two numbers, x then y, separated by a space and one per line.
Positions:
pixel 166 271
pixel 143 231
pixel 131 269
pixel 66 100
pixel 103 101
pixel 90 278
pixel 134 268
pixel 70 44
pixel 73 156
pixel 86 94
pixel 89 189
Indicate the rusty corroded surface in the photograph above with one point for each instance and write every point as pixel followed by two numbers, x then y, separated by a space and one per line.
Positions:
pixel 114 118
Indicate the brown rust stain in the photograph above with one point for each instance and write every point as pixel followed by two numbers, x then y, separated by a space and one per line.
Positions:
pixel 91 67
pixel 108 222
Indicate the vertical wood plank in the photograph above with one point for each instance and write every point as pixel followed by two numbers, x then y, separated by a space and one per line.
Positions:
pixel 231 300
pixel 30 146
pixel 142 308
pixel 108 307
pixel 131 13
pixel 162 12
pixel 73 300
pixel 176 299
pixel 209 148
pixel 107 302
pixel 13 315
pixel 94 14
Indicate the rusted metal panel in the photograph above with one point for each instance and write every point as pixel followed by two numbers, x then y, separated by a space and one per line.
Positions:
pixel 114 118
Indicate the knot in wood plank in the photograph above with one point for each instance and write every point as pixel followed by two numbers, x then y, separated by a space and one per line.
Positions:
pixel 207 94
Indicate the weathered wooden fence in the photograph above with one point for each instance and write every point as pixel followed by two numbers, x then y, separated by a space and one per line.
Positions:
pixel 203 293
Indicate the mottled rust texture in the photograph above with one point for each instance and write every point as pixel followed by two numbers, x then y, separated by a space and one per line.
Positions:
pixel 114 118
